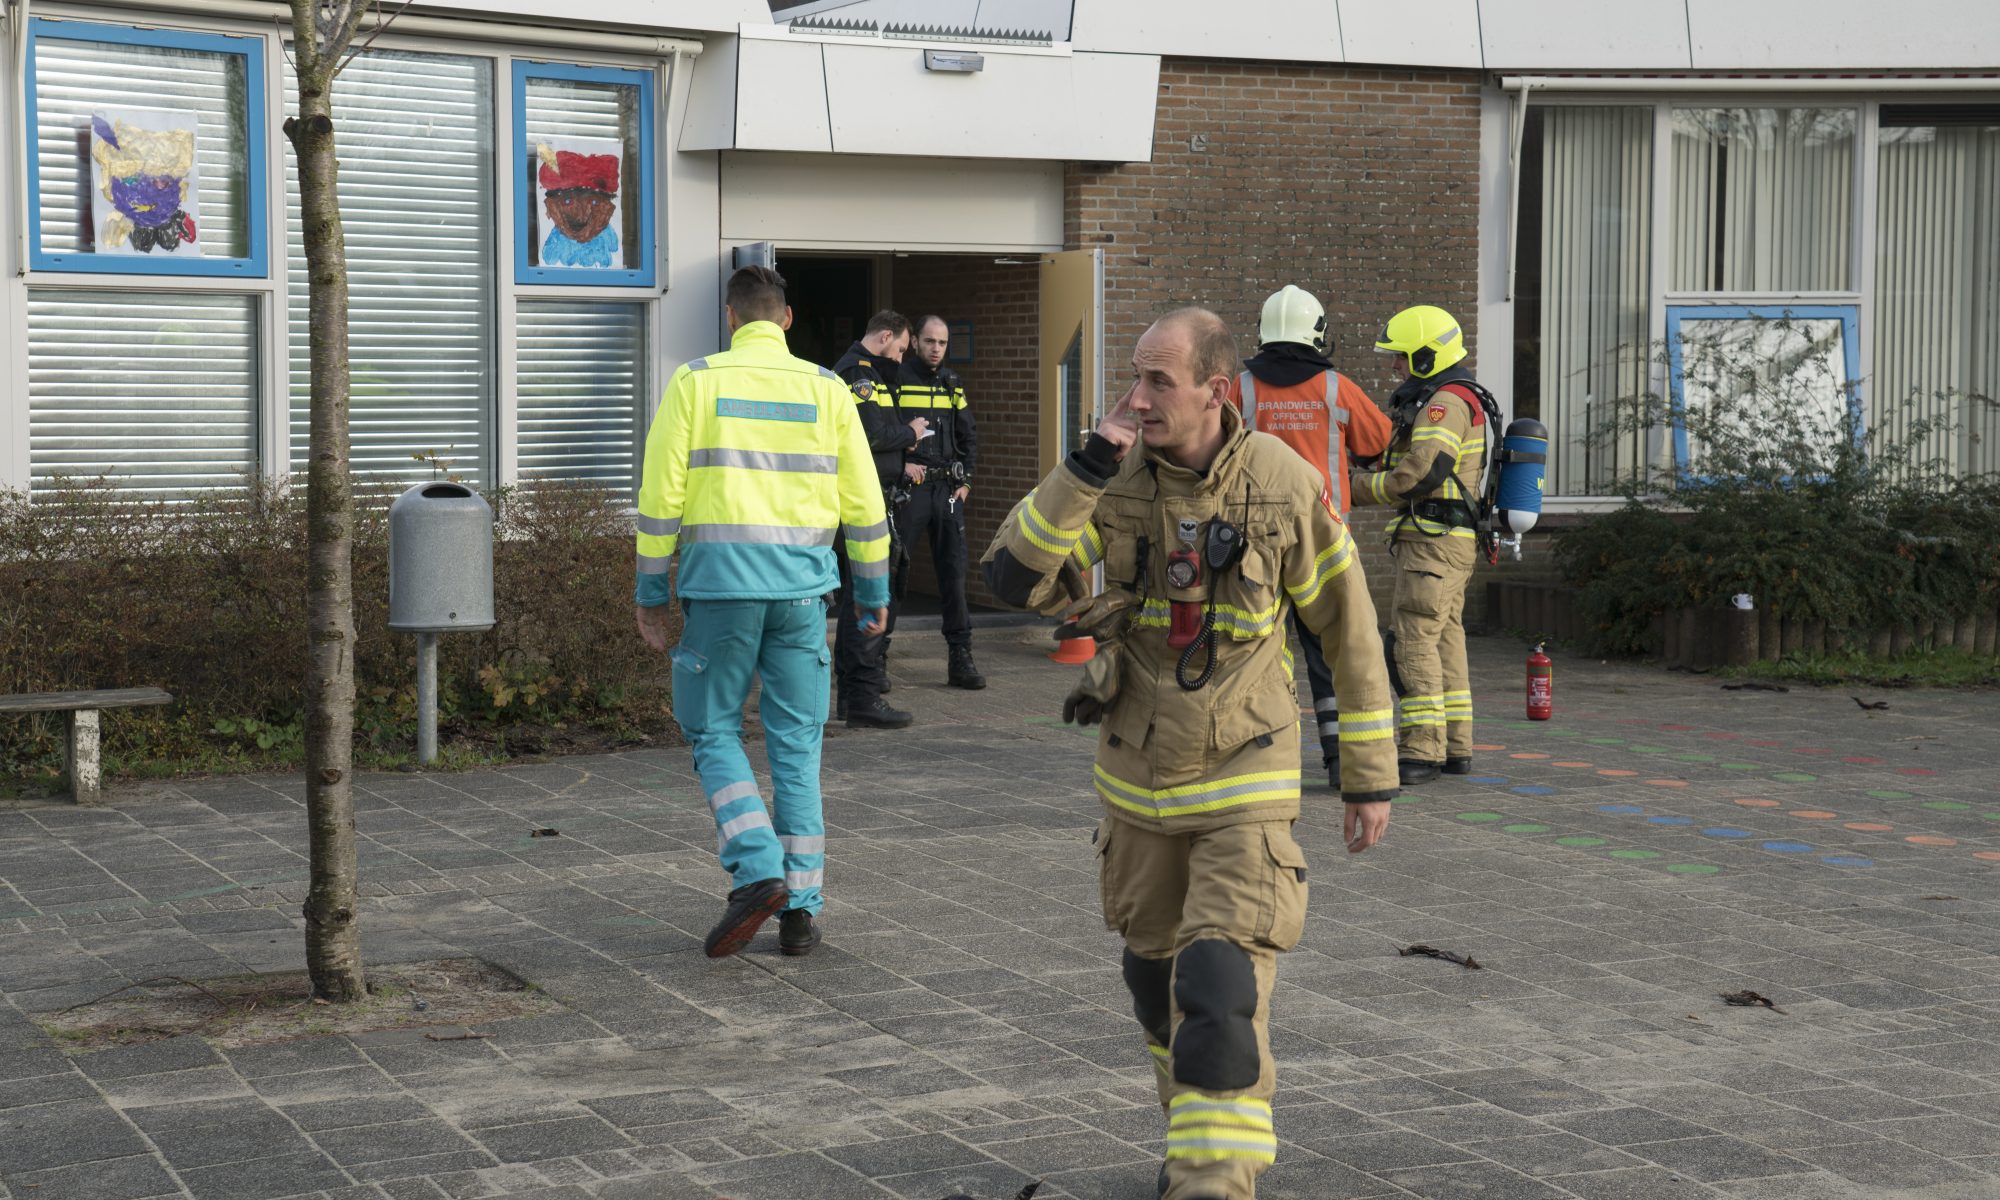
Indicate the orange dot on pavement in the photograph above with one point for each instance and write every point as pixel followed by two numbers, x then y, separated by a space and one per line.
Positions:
pixel 1570 764
pixel 1758 803
pixel 1618 774
pixel 1527 754
pixel 1668 782
pixel 1814 814
pixel 1868 826
pixel 1926 839
pixel 1988 855
pixel 1488 747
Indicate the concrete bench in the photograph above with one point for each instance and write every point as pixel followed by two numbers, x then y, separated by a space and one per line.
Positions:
pixel 86 777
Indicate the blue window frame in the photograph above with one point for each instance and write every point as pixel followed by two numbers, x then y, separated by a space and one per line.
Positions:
pixel 614 104
pixel 1680 315
pixel 251 135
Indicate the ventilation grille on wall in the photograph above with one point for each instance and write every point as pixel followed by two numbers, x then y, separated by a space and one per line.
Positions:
pixel 856 27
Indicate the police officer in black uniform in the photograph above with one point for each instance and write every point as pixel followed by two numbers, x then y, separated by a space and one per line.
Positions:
pixel 869 370
pixel 936 512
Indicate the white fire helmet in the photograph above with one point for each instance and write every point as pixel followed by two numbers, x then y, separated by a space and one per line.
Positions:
pixel 1293 315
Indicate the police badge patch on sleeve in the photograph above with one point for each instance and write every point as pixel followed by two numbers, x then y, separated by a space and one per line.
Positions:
pixel 1435 413
pixel 864 388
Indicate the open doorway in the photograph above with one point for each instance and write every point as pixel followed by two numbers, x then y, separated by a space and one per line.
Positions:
pixel 832 299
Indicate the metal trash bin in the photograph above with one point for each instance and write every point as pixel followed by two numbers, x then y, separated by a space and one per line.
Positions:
pixel 440 580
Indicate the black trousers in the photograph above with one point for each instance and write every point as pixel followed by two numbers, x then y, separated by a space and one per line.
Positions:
pixel 931 518
pixel 1326 713
pixel 858 670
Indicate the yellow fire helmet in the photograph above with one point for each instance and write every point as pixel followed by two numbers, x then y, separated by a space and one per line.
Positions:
pixel 1427 336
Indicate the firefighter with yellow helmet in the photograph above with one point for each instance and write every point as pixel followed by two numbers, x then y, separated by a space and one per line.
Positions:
pixel 1209 536
pixel 1437 454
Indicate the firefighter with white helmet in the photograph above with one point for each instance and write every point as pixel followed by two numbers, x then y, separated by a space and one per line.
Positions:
pixel 1432 474
pixel 1290 390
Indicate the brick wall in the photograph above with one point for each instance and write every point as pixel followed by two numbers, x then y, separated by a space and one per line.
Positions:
pixel 1358 184
pixel 1001 301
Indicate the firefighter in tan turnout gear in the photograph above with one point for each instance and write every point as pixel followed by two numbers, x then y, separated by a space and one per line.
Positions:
pixel 1436 457
pixel 1209 535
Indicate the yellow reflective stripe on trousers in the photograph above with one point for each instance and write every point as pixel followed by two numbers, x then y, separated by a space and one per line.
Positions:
pixel 1203 1128
pixel 1331 562
pixel 1211 796
pixel 1367 725
pixel 1458 706
pixel 1421 710
pixel 1162 1059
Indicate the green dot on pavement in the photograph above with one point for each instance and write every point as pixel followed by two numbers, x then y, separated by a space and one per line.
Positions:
pixel 1695 757
pixel 1890 794
pixel 1741 767
pixel 1794 777
pixel 1635 854
pixel 1480 818
pixel 1579 841
pixel 1650 749
pixel 1692 868
pixel 1525 828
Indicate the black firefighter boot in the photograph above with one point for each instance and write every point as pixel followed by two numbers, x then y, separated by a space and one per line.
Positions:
pixel 961 673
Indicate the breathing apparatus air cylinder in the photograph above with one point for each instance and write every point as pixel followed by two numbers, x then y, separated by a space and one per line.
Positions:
pixel 1524 457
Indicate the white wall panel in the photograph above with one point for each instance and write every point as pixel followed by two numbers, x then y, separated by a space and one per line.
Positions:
pixel 1442 33
pixel 1294 30
pixel 1798 34
pixel 1093 107
pixel 1585 35
pixel 814 201
pixel 708 121
pixel 781 96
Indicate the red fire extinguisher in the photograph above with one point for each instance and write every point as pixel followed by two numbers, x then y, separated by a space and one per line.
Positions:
pixel 1541 686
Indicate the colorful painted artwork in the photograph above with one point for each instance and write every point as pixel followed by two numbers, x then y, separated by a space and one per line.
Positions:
pixel 145 197
pixel 577 184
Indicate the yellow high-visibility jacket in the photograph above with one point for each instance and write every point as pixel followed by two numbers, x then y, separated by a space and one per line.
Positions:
pixel 754 463
pixel 1175 760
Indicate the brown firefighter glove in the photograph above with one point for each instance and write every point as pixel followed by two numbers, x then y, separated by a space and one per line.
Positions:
pixel 1092 697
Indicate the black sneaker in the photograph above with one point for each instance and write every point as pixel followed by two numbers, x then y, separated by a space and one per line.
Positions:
pixel 962 673
pixel 874 714
pixel 1414 772
pixel 1458 766
pixel 749 907
pixel 798 933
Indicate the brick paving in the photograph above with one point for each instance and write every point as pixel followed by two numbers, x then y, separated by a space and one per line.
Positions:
pixel 964 1027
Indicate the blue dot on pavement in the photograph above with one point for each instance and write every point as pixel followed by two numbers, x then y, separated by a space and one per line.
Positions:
pixel 1532 790
pixel 1619 808
pixel 1846 860
pixel 1727 833
pixel 1669 820
pixel 1485 779
pixel 1788 847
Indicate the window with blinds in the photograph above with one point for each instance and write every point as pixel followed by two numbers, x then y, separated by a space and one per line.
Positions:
pixel 1763 199
pixel 581 382
pixel 416 141
pixel 155 390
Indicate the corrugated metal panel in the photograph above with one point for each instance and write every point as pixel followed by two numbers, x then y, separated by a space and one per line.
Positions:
pixel 582 380
pixel 75 79
pixel 415 137
pixel 157 390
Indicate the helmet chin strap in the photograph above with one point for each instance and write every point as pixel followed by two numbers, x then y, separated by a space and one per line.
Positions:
pixel 1423 362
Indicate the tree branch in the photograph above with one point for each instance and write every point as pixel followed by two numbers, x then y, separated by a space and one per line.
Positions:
pixel 381 23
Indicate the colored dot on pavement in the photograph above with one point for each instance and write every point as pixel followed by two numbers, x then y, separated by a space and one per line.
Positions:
pixel 1988 855
pixel 1724 831
pixel 1486 779
pixel 1721 735
pixel 1615 774
pixel 1813 814
pixel 1788 847
pixel 1692 868
pixel 1670 820
pixel 1868 826
pixel 1947 805
pixel 1605 741
pixel 1621 809
pixel 1929 839
pixel 1520 827
pixel 1489 747
pixel 1579 841
pixel 1671 783
pixel 1891 794
pixel 1915 771
pixel 1570 764
pixel 1795 777
pixel 1695 757
pixel 1991 816
pixel 1532 790
pixel 1758 803
pixel 1528 754
pixel 1562 733
pixel 1860 759
pixel 1635 854
pixel 1846 860
pixel 1650 749
pixel 1480 818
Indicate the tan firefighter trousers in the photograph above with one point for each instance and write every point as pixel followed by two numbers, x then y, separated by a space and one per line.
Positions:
pixel 1434 714
pixel 1204 916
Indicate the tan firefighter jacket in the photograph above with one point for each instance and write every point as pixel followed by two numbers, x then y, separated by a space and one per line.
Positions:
pixel 1433 466
pixel 1176 760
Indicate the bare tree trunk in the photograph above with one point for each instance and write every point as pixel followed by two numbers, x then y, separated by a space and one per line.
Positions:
pixel 322 32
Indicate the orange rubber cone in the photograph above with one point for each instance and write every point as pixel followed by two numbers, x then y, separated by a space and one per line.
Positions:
pixel 1075 650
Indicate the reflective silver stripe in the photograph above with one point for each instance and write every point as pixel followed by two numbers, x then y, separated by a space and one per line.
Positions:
pixel 805 879
pixel 1350 725
pixel 869 570
pixel 765 460
pixel 764 535
pixel 730 830
pixel 826 374
pixel 868 533
pixel 1250 1112
pixel 1249 386
pixel 813 844
pixel 699 364
pixel 1329 728
pixel 659 526
pixel 730 793
pixel 1330 704
pixel 1251 1145
pixel 654 564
